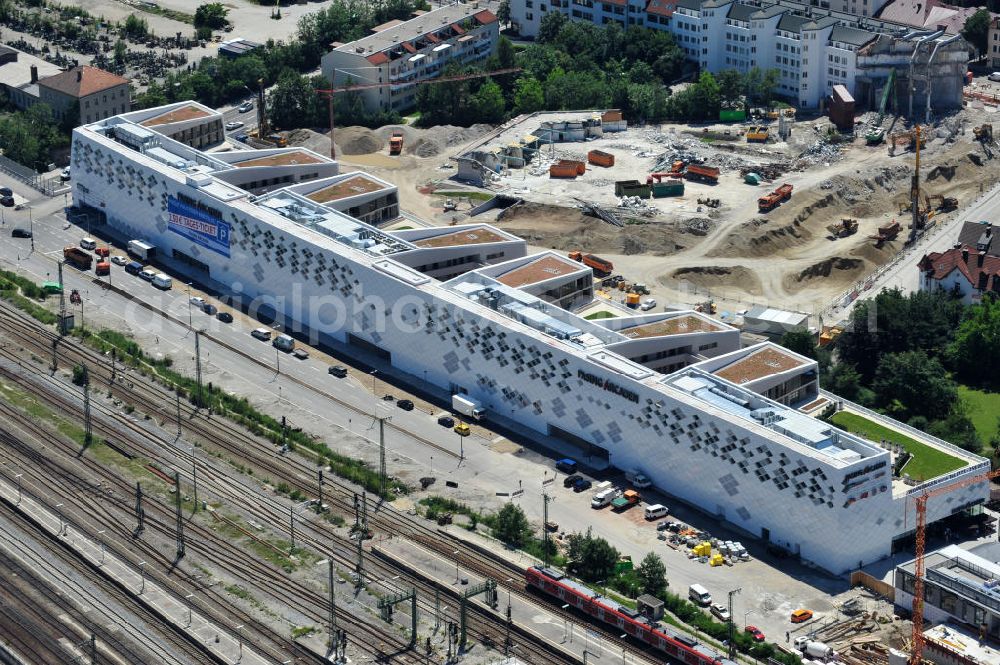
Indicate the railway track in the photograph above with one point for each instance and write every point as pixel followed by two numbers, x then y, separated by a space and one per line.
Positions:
pixel 258 454
pixel 113 514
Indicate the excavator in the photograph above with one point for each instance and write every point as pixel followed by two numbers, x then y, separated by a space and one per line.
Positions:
pixel 908 137
pixel 877 132
pixel 944 203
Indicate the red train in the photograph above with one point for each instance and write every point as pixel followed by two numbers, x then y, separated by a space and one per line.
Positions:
pixel 674 644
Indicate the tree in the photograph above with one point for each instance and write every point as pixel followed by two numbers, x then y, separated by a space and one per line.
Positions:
pixel 551 25
pixel 528 95
pixel 488 103
pixel 958 428
pixel 977 28
pixel 503 12
pixel 910 383
pixel 976 348
pixel 292 102
pixel 135 27
pixel 653 575
pixel 212 15
pixel 844 380
pixel 731 87
pixel 592 558
pixel 512 526
pixel 801 342
pixel 506 56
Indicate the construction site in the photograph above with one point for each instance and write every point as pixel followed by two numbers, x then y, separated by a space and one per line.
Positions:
pixel 775 209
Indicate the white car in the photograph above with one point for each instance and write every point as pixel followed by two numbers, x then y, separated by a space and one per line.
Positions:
pixel 721 612
pixel 647 304
pixel 197 301
pixel 120 260
pixel 64 175
pixel 88 243
pixel 235 124
pixel 995 76
pixel 245 106
pixel 147 274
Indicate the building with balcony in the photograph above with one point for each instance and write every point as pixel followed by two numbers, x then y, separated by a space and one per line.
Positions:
pixel 813 46
pixel 399 54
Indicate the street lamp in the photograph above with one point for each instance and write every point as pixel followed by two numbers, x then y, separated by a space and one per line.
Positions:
pixel 31 228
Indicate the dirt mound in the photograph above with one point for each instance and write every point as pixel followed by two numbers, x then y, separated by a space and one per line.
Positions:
pixel 946 171
pixel 839 267
pixel 715 276
pixel 808 211
pixel 748 240
pixel 568 229
pixel 358 141
pixel 422 147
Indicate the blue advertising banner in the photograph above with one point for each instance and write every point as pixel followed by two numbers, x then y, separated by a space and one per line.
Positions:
pixel 197 226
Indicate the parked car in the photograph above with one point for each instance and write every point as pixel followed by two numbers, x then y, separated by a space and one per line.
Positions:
pixel 801 615
pixel 263 334
pixel 995 76
pixel 133 268
pixel 338 371
pixel 147 274
pixel 245 106
pixel 405 404
pixel 566 465
pixel 197 301
pixel 209 308
pixel 721 612
pixel 300 353
pixel 235 124
pixel 569 481
pixel 20 233
pixel 242 137
pixel 225 317
pixel 582 485
pixel 647 304
pixel 64 175
pixel 446 421
pixel 756 633
pixel 463 429
pixel 119 260
pixel 6 191
pixel 88 243
pixel 7 201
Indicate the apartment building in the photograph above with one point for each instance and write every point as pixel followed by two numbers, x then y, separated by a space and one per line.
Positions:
pixel 90 92
pixel 812 46
pixel 399 54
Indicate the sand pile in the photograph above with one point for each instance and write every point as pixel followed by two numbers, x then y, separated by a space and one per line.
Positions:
pixel 715 276
pixel 838 266
pixel 358 141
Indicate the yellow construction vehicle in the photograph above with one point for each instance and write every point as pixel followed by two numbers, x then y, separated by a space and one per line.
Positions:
pixel 845 228
pixel 757 134
pixel 944 203
pixel 983 133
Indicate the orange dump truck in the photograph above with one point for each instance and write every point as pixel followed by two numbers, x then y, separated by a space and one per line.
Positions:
pixel 703 173
pixel 771 201
pixel 79 258
pixel 600 158
pixel 567 168
pixel 594 262
pixel 396 142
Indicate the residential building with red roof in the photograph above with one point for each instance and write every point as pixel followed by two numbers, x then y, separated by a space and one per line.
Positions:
pixel 89 91
pixel 968 271
pixel 398 54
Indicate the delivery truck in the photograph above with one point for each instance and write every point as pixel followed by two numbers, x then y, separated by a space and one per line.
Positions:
pixel 467 407
pixel 141 250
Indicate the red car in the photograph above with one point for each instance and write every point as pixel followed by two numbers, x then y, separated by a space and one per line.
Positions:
pixel 755 633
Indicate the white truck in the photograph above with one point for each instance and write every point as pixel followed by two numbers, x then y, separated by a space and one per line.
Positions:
pixel 467 407
pixel 813 649
pixel 638 479
pixel 141 249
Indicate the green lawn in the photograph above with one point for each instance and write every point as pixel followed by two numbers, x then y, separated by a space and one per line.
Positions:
pixel 476 196
pixel 600 314
pixel 926 462
pixel 984 409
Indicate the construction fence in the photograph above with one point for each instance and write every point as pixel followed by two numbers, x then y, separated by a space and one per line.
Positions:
pixel 30 177
pixel 877 586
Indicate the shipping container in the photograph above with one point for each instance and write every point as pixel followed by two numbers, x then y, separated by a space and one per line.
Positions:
pixel 732 115
pixel 672 187
pixel 703 173
pixel 567 168
pixel 632 188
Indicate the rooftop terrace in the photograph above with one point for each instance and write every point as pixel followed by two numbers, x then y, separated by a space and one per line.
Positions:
pixel 289 158
pixel 479 236
pixel 763 362
pixel 539 270
pixel 679 325
pixel 358 184
pixel 177 115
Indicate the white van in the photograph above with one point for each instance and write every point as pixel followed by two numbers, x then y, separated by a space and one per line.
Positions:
pixel 699 595
pixel 656 511
pixel 603 498
pixel 162 281
pixel 263 334
pixel 88 243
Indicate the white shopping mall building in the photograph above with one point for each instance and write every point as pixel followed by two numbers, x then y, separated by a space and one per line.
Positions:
pixel 466 310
